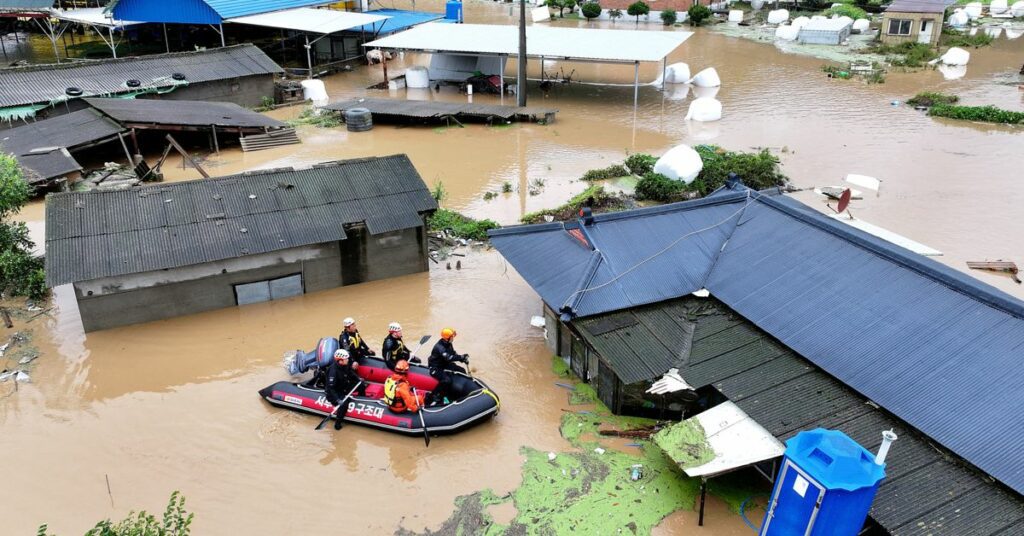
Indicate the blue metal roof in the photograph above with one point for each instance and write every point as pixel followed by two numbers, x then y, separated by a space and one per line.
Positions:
pixel 400 20
pixel 201 11
pixel 936 347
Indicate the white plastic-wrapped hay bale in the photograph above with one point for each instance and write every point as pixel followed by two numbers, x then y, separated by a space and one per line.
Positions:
pixel 778 16
pixel 955 56
pixel 677 73
pixel 705 92
pixel 800 22
pixel 998 7
pixel 417 77
pixel 959 18
pixel 756 5
pixel 1013 34
pixel 704 109
pixel 787 32
pixel 973 10
pixel 680 163
pixel 994 32
pixel 1017 9
pixel 861 25
pixel 735 15
pixel 707 78
pixel 315 91
pixel 846 20
pixel 953 72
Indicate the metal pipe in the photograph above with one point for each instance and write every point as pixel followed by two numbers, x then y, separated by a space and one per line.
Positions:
pixel 703 494
pixel 888 437
pixel 521 78
pixel 222 42
pixel 113 45
pixel 309 60
pixel 167 42
pixel 664 69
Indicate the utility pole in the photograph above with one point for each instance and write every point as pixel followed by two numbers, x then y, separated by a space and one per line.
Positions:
pixel 521 78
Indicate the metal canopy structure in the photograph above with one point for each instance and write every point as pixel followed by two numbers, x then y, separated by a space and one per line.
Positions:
pixel 98 19
pixel 572 44
pixel 311 20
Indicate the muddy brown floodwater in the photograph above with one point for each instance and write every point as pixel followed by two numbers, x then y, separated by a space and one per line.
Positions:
pixel 173 405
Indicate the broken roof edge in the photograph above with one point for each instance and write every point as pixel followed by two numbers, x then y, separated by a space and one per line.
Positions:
pixel 934 270
pixel 129 59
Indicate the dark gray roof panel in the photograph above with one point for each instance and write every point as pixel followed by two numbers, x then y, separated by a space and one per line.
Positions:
pixel 180 224
pixel 42 147
pixel 46 84
pixel 183 113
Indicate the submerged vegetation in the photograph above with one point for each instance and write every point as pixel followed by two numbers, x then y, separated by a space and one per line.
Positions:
pixel 311 116
pixel 952 37
pixel 176 521
pixel 459 226
pixel 929 99
pixel 613 171
pixel 988 114
pixel 21 272
pixel 909 54
pixel 640 164
pixel 594 197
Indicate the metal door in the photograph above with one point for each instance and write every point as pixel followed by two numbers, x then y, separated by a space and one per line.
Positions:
pixel 795 503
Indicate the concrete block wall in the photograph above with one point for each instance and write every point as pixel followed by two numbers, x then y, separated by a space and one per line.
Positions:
pixel 369 258
pixel 245 91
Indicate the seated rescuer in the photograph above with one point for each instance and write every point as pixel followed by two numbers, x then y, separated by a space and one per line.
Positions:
pixel 398 393
pixel 442 362
pixel 341 378
pixel 394 348
pixel 353 342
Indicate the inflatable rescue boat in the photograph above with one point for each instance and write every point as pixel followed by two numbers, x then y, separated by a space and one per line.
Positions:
pixel 471 400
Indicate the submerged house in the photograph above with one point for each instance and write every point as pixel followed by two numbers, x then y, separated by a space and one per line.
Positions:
pixel 173 249
pixel 914 21
pixel 801 321
pixel 241 74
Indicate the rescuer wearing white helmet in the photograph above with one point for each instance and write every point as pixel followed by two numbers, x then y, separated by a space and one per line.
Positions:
pixel 351 341
pixel 394 349
pixel 341 380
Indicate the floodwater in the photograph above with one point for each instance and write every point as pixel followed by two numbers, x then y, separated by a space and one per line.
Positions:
pixel 172 404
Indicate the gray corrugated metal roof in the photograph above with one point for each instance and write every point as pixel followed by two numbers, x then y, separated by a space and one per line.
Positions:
pixel 68 131
pixel 923 492
pixel 919 6
pixel 100 234
pixel 182 112
pixel 46 84
pixel 934 346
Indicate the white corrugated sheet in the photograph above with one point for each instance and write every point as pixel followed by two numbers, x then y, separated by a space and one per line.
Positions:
pixel 91 16
pixel 738 441
pixel 550 42
pixel 307 19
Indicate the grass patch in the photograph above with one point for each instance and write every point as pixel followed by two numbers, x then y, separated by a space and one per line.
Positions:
pixel 309 116
pixel 929 99
pixel 595 197
pixel 906 54
pixel 460 226
pixel 611 172
pixel 988 114
pixel 952 37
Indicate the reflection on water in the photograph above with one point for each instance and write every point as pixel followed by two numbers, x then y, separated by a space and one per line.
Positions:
pixel 173 405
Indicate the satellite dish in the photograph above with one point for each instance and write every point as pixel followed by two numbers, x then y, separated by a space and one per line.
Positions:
pixel 844 201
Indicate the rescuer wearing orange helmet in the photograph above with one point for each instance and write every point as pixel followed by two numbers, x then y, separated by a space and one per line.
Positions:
pixel 398 393
pixel 442 363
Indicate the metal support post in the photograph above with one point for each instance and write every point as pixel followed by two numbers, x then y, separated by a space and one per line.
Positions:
pixel 309 59
pixel 636 83
pixel 167 42
pixel 223 43
pixel 703 493
pixel 113 45
pixel 664 70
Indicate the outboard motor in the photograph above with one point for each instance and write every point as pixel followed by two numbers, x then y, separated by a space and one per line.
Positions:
pixel 301 362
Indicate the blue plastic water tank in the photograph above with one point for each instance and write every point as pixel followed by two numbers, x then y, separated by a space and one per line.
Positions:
pixel 825 486
pixel 453 10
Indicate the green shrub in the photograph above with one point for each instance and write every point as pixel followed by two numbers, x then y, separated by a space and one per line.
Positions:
pixel 668 16
pixel 952 37
pixel 697 14
pixel 21 273
pixel 928 98
pixel 614 14
pixel 988 114
pixel 847 10
pixel 907 54
pixel 611 172
pixel 562 5
pixel 594 197
pixel 638 8
pixel 640 163
pixel 460 226
pixel 758 170
pixel 657 187
pixel 590 10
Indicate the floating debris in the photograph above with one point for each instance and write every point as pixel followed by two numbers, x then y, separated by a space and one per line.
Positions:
pixel 1001 266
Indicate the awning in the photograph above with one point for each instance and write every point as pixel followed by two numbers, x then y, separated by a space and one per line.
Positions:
pixel 92 16
pixel 306 19
pixel 717 441
pixel 582 44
